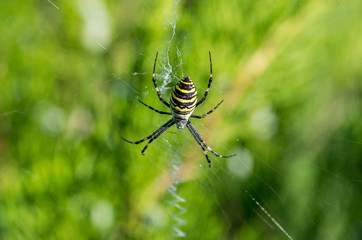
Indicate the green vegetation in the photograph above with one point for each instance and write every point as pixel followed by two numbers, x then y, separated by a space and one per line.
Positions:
pixel 290 76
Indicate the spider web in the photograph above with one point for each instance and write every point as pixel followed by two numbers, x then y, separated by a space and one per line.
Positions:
pixel 167 74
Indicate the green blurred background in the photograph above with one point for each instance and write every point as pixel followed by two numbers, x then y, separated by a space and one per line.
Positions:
pixel 71 73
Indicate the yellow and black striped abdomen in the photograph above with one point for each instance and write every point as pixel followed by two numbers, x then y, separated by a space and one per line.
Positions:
pixel 184 98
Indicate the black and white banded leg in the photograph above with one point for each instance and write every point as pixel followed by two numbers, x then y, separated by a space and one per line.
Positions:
pixel 202 116
pixel 161 131
pixel 203 144
pixel 209 84
pixel 157 111
pixel 194 134
pixel 155 84
pixel 154 135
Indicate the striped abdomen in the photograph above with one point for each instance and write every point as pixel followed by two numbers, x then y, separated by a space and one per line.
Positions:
pixel 183 100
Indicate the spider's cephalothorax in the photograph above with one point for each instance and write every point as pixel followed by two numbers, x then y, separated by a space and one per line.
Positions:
pixel 183 103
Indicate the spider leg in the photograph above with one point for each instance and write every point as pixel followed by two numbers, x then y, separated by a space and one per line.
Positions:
pixel 216 154
pixel 152 135
pixel 202 116
pixel 208 86
pixel 162 130
pixel 157 111
pixel 154 83
pixel 196 135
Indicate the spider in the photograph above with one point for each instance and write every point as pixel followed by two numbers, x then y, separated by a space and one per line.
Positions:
pixel 183 103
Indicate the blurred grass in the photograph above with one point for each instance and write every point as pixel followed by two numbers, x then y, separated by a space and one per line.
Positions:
pixel 290 75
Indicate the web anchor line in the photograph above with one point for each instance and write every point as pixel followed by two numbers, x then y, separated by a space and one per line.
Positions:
pixel 270 216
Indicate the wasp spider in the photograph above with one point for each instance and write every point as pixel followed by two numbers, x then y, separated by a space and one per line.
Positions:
pixel 183 103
